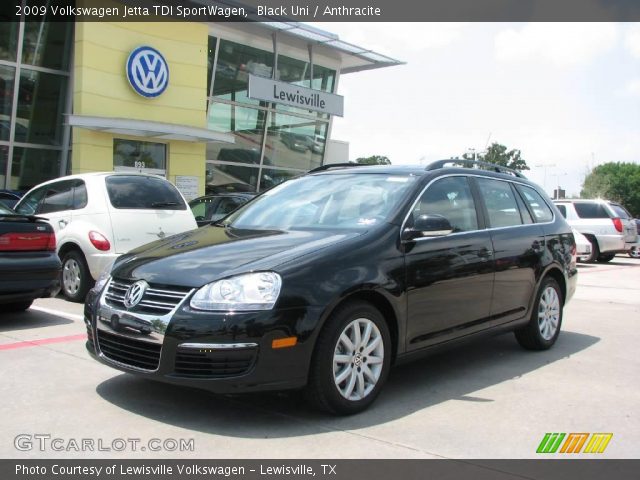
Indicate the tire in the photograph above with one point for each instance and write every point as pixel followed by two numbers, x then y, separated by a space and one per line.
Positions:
pixel 606 257
pixel 546 318
pixel 595 251
pixel 17 306
pixel 634 252
pixel 75 278
pixel 338 381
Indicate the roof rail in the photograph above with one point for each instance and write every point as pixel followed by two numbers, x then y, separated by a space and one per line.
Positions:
pixel 329 166
pixel 487 166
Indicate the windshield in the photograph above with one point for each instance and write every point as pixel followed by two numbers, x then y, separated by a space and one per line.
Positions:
pixel 352 201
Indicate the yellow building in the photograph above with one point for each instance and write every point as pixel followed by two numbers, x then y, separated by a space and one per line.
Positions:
pixel 211 106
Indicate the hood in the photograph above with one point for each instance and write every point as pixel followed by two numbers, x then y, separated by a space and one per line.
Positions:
pixel 197 257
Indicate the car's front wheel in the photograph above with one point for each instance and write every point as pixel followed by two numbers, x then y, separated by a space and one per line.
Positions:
pixel 76 279
pixel 546 318
pixel 351 360
pixel 634 252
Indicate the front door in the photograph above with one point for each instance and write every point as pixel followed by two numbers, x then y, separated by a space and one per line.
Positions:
pixel 449 278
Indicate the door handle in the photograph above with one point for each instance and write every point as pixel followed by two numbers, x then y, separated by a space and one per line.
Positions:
pixel 62 223
pixel 485 253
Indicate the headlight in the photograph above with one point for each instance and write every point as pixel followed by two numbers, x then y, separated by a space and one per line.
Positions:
pixel 104 276
pixel 251 291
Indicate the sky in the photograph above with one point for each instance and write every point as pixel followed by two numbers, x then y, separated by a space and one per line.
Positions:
pixel 566 94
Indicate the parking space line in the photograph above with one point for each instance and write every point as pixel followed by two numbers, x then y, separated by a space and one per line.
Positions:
pixel 43 341
pixel 51 311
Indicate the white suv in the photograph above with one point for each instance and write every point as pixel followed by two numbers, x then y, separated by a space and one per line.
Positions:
pixel 607 225
pixel 98 216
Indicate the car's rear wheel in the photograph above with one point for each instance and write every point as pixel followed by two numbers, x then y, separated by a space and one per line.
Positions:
pixel 75 277
pixel 17 306
pixel 606 257
pixel 634 252
pixel 351 360
pixel 595 251
pixel 546 318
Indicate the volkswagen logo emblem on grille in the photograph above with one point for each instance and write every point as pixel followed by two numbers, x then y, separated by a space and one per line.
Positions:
pixel 135 293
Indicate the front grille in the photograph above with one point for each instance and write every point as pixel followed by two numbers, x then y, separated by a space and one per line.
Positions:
pixel 214 364
pixel 129 351
pixel 157 299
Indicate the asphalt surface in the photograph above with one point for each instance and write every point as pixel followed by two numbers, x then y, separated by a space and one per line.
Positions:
pixel 486 400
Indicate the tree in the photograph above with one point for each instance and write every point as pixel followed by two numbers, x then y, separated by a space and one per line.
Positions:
pixel 619 182
pixel 374 160
pixel 499 155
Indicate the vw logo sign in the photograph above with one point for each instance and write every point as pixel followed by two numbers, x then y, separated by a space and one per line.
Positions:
pixel 135 293
pixel 147 71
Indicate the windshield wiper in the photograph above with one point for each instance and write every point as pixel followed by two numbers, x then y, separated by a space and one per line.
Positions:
pixel 165 204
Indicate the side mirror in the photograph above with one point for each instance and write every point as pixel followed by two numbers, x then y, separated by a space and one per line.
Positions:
pixel 428 226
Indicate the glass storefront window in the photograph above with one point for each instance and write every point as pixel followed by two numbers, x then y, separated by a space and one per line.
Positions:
pixel 4 155
pixel 139 156
pixel 7 75
pixel 235 63
pixel 245 124
pixel 230 178
pixel 32 166
pixel 271 177
pixel 47 43
pixel 8 40
pixel 295 142
pixel 211 52
pixel 41 103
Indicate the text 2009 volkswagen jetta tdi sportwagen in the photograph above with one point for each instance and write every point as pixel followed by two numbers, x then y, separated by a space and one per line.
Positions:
pixel 325 281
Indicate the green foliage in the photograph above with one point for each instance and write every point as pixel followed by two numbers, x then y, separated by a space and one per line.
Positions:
pixel 619 182
pixel 374 160
pixel 499 155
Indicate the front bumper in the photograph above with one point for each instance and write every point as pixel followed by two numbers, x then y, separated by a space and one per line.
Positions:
pixel 219 352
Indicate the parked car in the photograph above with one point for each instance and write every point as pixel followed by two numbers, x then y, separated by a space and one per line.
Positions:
pixel 98 216
pixel 607 225
pixel 296 141
pixel 583 245
pixel 29 266
pixel 9 198
pixel 211 208
pixel 634 251
pixel 326 280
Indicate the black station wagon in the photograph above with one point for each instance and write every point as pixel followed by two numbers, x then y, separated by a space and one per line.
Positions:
pixel 325 281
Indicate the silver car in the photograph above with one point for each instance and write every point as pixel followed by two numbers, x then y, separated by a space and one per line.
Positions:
pixel 607 225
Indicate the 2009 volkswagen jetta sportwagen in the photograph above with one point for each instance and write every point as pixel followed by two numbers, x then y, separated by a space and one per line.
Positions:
pixel 325 281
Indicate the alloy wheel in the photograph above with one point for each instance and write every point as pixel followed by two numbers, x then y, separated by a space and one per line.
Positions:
pixel 548 313
pixel 71 277
pixel 358 359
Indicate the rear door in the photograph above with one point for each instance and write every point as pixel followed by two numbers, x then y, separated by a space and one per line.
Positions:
pixel 143 209
pixel 518 245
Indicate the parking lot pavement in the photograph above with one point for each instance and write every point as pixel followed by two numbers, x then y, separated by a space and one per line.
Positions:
pixel 485 400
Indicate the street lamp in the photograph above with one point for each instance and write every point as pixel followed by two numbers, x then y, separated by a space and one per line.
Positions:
pixel 545 166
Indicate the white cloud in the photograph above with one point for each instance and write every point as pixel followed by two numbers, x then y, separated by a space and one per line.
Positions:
pixel 632 41
pixel 396 38
pixel 562 44
pixel 633 88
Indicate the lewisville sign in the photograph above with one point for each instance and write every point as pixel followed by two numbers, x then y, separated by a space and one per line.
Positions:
pixel 261 88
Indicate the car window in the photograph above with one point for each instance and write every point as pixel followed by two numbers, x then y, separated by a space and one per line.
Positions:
pixel 524 211
pixel 500 201
pixel 200 207
pixel 538 206
pixel 591 210
pixel 620 211
pixel 226 206
pixel 340 200
pixel 58 197
pixel 79 195
pixel 562 209
pixel 29 203
pixel 450 197
pixel 141 192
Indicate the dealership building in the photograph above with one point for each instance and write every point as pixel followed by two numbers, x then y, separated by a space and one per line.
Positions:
pixel 213 107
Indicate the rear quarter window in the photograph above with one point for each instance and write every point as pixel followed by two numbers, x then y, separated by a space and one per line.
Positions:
pixel 591 210
pixel 147 193
pixel 562 209
pixel 620 211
